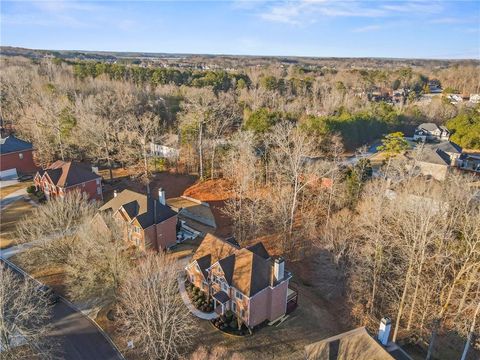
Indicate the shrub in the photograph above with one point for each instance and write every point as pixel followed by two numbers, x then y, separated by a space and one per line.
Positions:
pixel 31 189
pixel 229 315
pixel 233 324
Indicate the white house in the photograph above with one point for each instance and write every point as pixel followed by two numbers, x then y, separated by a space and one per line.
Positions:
pixel 431 131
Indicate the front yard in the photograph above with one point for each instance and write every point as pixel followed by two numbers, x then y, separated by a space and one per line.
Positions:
pixel 310 322
pixel 9 219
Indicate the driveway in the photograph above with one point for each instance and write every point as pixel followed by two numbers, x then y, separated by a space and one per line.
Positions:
pixel 10 198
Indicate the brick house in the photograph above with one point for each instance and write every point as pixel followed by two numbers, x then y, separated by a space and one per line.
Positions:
pixel 149 224
pixel 62 177
pixel 16 157
pixel 247 281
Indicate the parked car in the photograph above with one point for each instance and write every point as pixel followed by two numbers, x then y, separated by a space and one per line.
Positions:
pixel 47 293
pixel 25 178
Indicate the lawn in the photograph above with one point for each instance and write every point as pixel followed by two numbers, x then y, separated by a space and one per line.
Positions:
pixel 9 218
pixel 12 188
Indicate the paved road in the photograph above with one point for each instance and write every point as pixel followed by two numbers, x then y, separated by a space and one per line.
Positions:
pixel 78 338
pixel 75 336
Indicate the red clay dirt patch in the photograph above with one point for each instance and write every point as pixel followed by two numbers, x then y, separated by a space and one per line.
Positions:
pixel 210 190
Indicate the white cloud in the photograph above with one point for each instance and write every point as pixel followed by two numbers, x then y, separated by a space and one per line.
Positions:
pixel 304 11
pixel 367 28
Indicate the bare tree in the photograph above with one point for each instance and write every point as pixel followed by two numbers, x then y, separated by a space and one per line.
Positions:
pixel 151 311
pixel 100 262
pixel 52 227
pixel 24 316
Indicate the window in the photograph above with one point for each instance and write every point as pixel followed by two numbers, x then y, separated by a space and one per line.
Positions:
pixel 234 307
pixel 20 156
pixel 99 190
pixel 224 287
pixel 238 295
pixel 136 229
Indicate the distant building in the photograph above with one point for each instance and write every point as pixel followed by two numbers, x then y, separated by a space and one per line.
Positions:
pixel 162 151
pixel 16 157
pixel 62 177
pixel 469 162
pixel 431 132
pixel 475 98
pixel 149 223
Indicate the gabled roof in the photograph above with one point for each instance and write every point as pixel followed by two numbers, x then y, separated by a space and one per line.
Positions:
pixel 64 174
pixel 448 147
pixel 351 345
pixel 428 126
pixel 431 156
pixel 12 144
pixel 249 269
pixel 251 273
pixel 146 210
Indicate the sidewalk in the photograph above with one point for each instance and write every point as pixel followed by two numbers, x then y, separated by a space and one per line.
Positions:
pixel 188 304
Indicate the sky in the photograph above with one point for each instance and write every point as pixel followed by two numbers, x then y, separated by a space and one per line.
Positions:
pixel 323 28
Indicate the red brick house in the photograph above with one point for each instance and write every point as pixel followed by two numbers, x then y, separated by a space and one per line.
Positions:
pixel 62 177
pixel 247 281
pixel 16 157
pixel 149 224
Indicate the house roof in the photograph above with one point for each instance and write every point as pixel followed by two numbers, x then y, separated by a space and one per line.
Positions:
pixel 64 174
pixel 448 147
pixel 193 209
pixel 249 269
pixel 432 156
pixel 221 296
pixel 12 144
pixel 428 126
pixel 351 345
pixel 141 207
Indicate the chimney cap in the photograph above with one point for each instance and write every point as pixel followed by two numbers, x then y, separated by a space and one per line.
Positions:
pixel 279 259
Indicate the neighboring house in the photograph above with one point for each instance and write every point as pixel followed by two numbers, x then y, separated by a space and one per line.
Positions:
pixel 62 177
pixel 247 281
pixel 447 150
pixel 163 151
pixel 165 147
pixel 431 163
pixel 16 157
pixel 470 162
pixel 475 98
pixel 149 223
pixel 195 217
pixel 431 131
pixel 356 344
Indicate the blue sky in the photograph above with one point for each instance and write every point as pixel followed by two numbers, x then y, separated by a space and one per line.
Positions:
pixel 407 29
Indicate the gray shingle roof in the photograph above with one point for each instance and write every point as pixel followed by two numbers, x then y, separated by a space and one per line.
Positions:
pixel 13 144
pixel 144 208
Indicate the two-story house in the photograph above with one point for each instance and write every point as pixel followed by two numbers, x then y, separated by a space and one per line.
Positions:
pixel 431 132
pixel 62 177
pixel 16 157
pixel 149 223
pixel 247 281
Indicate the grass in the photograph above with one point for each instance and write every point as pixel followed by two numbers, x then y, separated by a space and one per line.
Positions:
pixel 9 218
pixel 12 188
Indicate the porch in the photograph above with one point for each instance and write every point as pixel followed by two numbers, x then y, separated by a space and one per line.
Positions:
pixel 220 302
pixel 292 299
